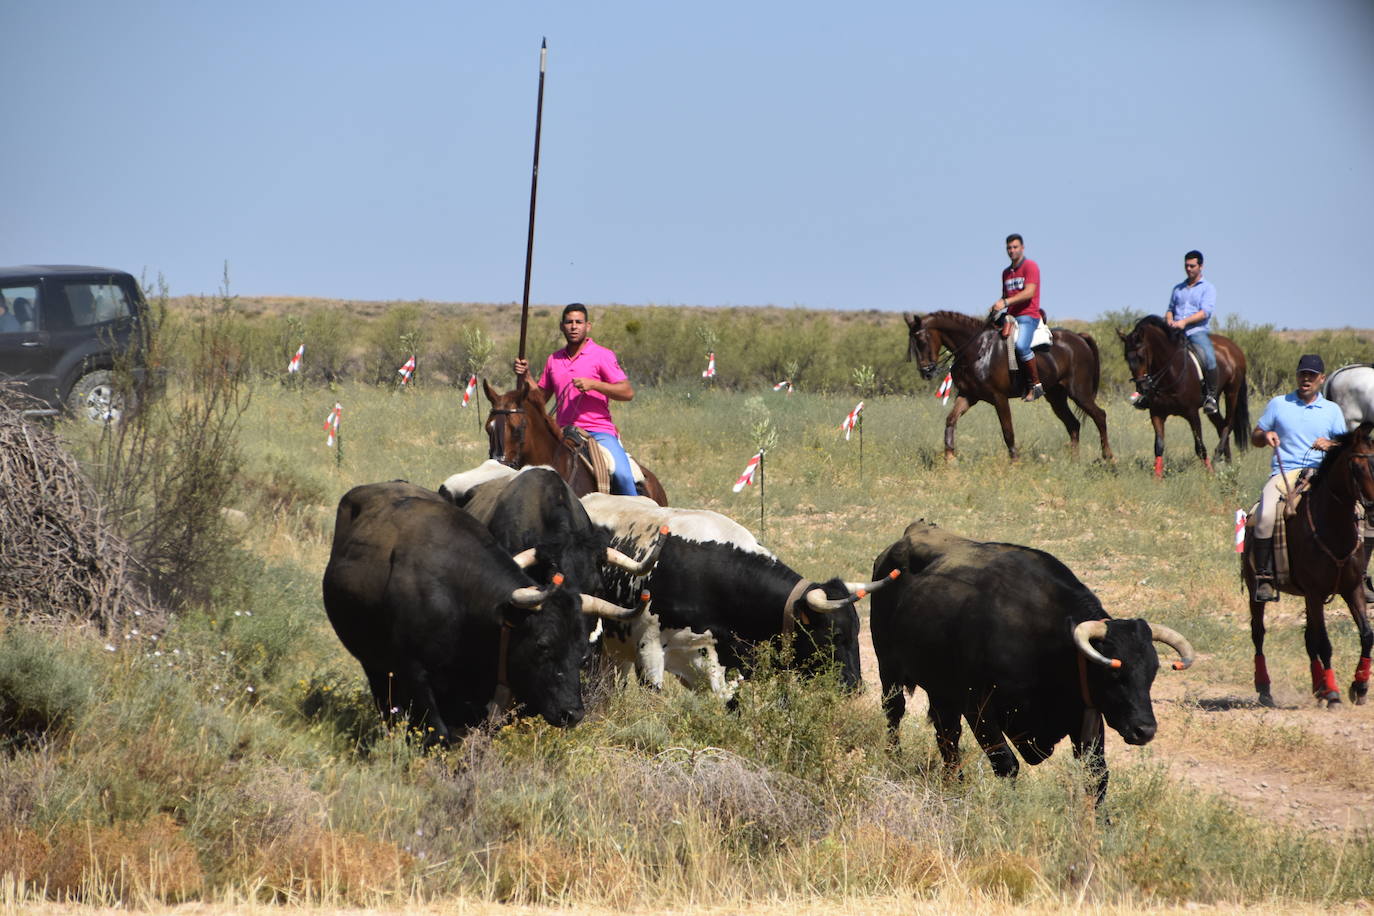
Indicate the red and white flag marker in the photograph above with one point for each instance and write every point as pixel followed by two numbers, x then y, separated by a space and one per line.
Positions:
pixel 295 364
pixel 710 366
pixel 851 421
pixel 783 385
pixel 407 370
pixel 467 392
pixel 1240 530
pixel 331 423
pixel 748 476
pixel 944 389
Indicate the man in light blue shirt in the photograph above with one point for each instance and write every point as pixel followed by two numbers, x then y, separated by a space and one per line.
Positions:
pixel 1190 310
pixel 1298 426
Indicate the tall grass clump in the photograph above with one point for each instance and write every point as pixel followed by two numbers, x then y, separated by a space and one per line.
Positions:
pixel 165 472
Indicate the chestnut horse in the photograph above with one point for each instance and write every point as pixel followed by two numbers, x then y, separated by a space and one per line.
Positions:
pixel 1070 369
pixel 520 432
pixel 1166 380
pixel 1325 557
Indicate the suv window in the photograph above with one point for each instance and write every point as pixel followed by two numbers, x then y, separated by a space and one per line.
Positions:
pixel 19 307
pixel 86 304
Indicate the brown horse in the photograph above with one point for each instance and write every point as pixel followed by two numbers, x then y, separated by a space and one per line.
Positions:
pixel 1069 370
pixel 520 432
pixel 1326 557
pixel 1166 380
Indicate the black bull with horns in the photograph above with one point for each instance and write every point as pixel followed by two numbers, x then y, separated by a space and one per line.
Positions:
pixel 1009 639
pixel 443 620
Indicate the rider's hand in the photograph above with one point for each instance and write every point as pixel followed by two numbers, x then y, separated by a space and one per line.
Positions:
pixel 521 366
pixel 1323 443
pixel 1271 439
pixel 584 384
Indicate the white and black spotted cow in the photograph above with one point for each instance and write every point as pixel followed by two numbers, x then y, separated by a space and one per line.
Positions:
pixel 717 593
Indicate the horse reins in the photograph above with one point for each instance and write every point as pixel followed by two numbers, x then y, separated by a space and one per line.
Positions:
pixel 1153 378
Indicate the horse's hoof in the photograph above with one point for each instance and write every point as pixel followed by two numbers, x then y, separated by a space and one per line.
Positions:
pixel 1332 698
pixel 1359 692
pixel 1266 699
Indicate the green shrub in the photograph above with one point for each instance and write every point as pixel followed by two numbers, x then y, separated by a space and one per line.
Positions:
pixel 43 688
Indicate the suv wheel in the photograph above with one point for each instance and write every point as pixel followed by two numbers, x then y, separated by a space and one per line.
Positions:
pixel 96 397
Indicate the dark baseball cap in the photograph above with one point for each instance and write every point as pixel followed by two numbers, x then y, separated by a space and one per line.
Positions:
pixel 1311 363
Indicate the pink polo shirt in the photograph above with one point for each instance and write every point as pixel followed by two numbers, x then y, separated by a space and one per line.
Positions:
pixel 590 410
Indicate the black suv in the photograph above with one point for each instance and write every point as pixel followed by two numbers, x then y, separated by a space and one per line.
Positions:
pixel 63 331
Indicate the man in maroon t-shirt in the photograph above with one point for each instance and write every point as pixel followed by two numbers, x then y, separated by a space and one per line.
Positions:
pixel 1021 299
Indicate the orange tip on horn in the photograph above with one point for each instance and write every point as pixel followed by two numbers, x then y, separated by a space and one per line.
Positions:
pixel 1179 666
pixel 644 596
pixel 894 574
pixel 1116 663
pixel 557 578
pixel 662 529
pixel 859 593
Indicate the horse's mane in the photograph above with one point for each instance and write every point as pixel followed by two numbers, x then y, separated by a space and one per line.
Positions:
pixel 1154 321
pixel 957 318
pixel 1344 442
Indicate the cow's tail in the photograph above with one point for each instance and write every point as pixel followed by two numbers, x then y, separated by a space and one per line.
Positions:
pixel 1240 420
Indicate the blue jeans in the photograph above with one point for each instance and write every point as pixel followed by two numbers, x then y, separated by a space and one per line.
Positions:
pixel 1201 342
pixel 622 478
pixel 1025 327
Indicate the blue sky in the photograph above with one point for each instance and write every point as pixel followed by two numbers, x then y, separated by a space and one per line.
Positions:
pixel 868 155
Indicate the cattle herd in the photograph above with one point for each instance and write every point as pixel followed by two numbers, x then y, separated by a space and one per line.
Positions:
pixel 495 592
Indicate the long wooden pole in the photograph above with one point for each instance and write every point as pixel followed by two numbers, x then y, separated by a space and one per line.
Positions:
pixel 534 196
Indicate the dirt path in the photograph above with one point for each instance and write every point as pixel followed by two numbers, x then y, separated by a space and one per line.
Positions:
pixel 1311 767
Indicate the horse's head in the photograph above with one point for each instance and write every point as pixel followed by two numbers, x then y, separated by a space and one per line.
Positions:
pixel 1362 463
pixel 514 415
pixel 1143 348
pixel 922 345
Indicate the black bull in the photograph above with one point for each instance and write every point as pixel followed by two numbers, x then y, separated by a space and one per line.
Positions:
pixel 440 615
pixel 1008 638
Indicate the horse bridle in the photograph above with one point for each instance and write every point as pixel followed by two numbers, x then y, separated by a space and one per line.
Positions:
pixel 1152 379
pixel 1312 526
pixel 939 362
pixel 499 433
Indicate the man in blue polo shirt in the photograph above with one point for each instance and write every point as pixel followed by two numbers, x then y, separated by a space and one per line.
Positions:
pixel 1298 426
pixel 1190 310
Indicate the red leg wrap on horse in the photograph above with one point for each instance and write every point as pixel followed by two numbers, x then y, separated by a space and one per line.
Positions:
pixel 1362 670
pixel 1159 466
pixel 1331 681
pixel 1318 676
pixel 1261 673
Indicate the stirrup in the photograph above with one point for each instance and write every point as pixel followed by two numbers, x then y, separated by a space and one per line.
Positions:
pixel 1209 406
pixel 1036 392
pixel 1265 591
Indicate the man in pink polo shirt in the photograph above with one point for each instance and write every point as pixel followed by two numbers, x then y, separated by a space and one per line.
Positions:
pixel 585 377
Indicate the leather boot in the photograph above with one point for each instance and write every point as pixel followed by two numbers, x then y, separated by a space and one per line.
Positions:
pixel 1209 391
pixel 1262 556
pixel 1033 373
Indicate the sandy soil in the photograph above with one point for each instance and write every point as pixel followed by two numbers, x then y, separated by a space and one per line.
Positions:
pixel 1334 794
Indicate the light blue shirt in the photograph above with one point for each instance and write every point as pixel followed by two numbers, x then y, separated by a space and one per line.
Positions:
pixel 1189 300
pixel 1298 426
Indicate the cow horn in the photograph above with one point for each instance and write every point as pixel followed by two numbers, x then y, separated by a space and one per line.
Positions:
pixel 530 597
pixel 859 589
pixel 639 567
pixel 1174 640
pixel 525 558
pixel 603 608
pixel 1093 629
pixel 816 600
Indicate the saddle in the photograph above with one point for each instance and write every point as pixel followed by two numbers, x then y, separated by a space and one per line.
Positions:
pixel 1041 338
pixel 597 459
pixel 1288 507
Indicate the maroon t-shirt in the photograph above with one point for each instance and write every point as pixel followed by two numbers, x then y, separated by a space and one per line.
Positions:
pixel 1014 280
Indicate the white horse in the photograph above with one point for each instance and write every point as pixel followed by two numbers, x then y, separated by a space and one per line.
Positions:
pixel 1352 388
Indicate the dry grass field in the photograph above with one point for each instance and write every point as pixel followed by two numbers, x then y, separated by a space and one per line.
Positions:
pixel 235 761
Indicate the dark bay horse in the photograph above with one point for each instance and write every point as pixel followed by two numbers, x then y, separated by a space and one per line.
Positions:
pixel 1166 379
pixel 1325 558
pixel 520 432
pixel 1069 370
